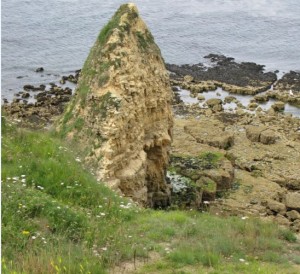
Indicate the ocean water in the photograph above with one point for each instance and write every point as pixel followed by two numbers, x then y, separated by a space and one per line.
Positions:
pixel 185 96
pixel 58 34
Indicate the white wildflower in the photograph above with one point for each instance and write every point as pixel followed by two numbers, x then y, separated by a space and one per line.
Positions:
pixel 33 237
pixel 23 176
pixel 244 217
pixel 102 214
pixel 242 260
pixel 104 248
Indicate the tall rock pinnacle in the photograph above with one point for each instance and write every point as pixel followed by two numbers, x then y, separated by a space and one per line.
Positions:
pixel 121 113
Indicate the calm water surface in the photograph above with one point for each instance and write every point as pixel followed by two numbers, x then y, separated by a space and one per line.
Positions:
pixel 58 35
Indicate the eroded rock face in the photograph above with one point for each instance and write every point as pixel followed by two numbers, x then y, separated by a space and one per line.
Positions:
pixel 121 113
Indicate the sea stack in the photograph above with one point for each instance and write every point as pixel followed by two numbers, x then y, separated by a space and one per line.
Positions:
pixel 121 113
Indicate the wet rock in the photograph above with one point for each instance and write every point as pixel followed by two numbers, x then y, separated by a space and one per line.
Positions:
pixel 245 77
pixel 261 98
pixel 289 82
pixel 42 87
pixel 278 106
pixel 215 104
pixel 33 88
pixel 25 95
pixel 252 106
pixel 41 69
pixel 230 99
pixel 200 97
pixel 188 78
pixel 16 100
pixel 28 87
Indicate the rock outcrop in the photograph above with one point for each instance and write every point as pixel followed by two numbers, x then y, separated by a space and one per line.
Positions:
pixel 121 113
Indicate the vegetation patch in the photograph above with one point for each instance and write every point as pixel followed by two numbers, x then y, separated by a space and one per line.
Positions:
pixel 101 105
pixel 189 184
pixel 57 218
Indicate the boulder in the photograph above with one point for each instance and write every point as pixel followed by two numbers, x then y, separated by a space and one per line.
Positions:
pixel 267 137
pixel 25 95
pixel 278 106
pixel 293 215
pixel 252 106
pixel 276 207
pixel 253 133
pixel 200 97
pixel 281 220
pixel 229 99
pixel 292 200
pixel 41 69
pixel 215 104
pixel 261 134
pixel 188 78
pixel 261 98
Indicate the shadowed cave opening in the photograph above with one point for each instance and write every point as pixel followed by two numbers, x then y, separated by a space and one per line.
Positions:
pixel 159 194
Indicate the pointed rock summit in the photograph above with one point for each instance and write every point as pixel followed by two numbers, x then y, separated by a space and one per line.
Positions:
pixel 121 112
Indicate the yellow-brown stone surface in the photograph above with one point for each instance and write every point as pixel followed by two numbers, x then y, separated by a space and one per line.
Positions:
pixel 121 113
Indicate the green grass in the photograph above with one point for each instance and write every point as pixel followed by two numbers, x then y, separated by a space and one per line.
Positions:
pixel 57 218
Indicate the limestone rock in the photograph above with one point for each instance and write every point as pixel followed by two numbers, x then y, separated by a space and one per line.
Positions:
pixel 261 134
pixel 121 113
pixel 188 78
pixel 281 220
pixel 293 215
pixel 267 137
pixel 215 104
pixel 278 106
pixel 292 200
pixel 276 206
pixel 253 133
pixel 252 106
pixel 200 97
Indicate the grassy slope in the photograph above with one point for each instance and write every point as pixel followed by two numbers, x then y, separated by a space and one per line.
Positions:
pixel 57 218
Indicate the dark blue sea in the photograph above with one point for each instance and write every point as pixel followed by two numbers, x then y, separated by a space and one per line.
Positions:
pixel 58 34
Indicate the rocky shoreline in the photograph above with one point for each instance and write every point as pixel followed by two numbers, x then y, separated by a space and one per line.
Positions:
pixel 257 153
pixel 39 106
pixel 245 163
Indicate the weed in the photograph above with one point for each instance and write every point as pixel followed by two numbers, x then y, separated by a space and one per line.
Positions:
pixel 288 235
